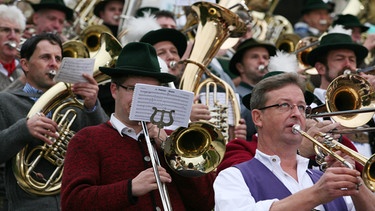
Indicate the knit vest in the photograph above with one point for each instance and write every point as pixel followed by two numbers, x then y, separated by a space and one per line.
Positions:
pixel 265 185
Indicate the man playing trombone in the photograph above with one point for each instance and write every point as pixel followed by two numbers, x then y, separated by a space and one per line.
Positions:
pixel 277 178
pixel 108 167
pixel 337 53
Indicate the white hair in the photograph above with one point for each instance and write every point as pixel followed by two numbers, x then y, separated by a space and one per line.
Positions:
pixel 12 14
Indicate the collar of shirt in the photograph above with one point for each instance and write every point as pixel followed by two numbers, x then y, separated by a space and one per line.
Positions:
pixel 122 129
pixel 31 90
pixel 314 31
pixel 272 162
pixel 320 94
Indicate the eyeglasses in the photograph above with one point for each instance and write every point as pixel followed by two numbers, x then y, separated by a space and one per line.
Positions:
pixel 127 88
pixel 286 107
pixel 8 30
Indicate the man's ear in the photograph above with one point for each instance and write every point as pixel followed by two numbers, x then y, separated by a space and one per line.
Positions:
pixel 321 68
pixel 257 117
pixel 240 67
pixel 24 65
pixel 114 89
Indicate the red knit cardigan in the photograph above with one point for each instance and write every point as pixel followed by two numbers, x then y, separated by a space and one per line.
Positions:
pixel 100 163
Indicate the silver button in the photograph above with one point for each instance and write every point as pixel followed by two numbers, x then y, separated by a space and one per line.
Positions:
pixel 158 209
pixel 147 158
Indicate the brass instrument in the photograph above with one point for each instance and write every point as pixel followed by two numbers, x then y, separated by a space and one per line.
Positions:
pixel 349 100
pixel 192 145
pixel 84 17
pixel 75 49
pixel 303 48
pixel 287 42
pixel 90 36
pixel 129 10
pixel 57 100
pixel 164 196
pixel 329 146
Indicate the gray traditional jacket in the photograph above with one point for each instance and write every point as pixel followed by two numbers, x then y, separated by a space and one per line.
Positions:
pixel 14 136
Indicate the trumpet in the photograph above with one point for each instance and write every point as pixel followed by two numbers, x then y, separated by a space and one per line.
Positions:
pixel 329 146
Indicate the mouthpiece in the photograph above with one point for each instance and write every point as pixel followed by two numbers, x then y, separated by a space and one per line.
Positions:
pixel 296 128
pixel 323 22
pixel 12 44
pixel 173 64
pixel 261 68
pixel 52 73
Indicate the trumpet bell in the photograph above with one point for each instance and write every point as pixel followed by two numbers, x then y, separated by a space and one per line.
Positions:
pixel 350 92
pixel 196 150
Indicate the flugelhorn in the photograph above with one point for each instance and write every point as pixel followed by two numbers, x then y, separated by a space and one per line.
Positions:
pixel 329 146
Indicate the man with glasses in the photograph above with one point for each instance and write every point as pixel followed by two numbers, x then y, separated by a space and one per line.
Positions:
pixel 108 166
pixel 12 23
pixel 277 178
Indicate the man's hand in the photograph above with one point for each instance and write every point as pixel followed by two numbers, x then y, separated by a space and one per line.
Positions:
pixel 42 127
pixel 87 90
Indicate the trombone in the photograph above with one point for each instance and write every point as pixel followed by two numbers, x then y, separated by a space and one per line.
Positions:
pixel 329 146
pixel 349 100
pixel 155 163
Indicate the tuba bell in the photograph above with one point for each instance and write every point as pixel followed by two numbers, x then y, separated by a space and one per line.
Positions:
pixel 198 149
pixel 60 103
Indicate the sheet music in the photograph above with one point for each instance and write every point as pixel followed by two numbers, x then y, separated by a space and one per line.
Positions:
pixel 71 69
pixel 163 104
pixel 221 98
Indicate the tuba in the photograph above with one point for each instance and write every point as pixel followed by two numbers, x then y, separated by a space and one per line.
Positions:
pixel 198 149
pixel 59 103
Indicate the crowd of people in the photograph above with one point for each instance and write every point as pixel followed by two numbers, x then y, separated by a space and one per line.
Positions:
pixel 106 163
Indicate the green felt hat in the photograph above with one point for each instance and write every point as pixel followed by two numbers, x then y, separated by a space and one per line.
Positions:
pixel 309 96
pixel 243 47
pixel 315 5
pixel 165 34
pixel 334 41
pixel 56 5
pixel 349 21
pixel 138 59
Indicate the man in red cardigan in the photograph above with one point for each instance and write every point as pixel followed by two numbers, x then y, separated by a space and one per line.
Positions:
pixel 107 167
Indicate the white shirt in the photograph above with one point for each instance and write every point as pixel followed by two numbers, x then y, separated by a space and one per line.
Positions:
pixel 122 128
pixel 232 193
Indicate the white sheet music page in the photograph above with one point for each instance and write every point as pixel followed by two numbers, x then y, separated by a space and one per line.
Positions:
pixel 71 69
pixel 221 98
pixel 161 105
